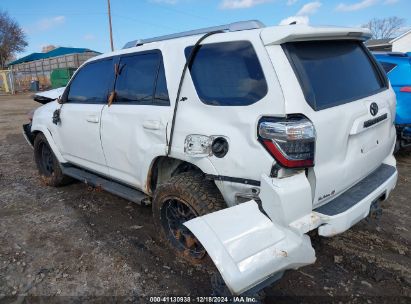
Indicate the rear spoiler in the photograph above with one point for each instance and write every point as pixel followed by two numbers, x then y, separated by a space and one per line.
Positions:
pixel 291 33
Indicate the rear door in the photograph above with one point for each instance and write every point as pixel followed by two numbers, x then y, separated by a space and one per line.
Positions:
pixel 134 126
pixel 351 108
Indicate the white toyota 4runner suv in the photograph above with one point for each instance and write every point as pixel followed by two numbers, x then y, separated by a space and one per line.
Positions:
pixel 242 137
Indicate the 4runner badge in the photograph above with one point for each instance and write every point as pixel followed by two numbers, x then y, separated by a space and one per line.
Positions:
pixel 374 109
pixel 326 196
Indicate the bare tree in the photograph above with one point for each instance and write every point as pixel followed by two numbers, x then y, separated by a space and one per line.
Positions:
pixel 385 28
pixel 12 38
pixel 48 48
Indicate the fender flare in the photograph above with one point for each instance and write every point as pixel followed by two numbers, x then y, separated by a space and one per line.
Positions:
pixel 46 132
pixel 204 164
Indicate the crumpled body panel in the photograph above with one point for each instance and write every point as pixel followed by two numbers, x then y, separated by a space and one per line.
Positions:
pixel 247 247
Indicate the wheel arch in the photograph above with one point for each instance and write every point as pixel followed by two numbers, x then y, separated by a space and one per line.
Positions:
pixel 162 168
pixel 46 132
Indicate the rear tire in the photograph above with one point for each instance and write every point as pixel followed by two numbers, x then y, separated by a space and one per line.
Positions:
pixel 184 197
pixel 47 163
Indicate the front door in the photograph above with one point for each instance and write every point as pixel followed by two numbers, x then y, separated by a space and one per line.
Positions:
pixel 79 132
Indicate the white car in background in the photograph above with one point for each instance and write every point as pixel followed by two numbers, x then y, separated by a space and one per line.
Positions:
pixel 242 137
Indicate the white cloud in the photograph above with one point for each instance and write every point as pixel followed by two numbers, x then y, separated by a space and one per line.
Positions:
pixel 89 37
pixel 342 7
pixel 45 24
pixel 302 16
pixel 291 2
pixel 236 4
pixel 48 23
pixel 309 8
pixel 297 19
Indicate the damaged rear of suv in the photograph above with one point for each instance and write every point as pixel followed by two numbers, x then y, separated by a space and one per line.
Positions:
pixel 268 134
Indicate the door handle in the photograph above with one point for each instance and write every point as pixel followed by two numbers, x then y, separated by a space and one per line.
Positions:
pixel 152 125
pixel 93 119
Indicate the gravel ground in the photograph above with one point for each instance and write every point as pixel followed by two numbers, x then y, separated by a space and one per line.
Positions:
pixel 76 241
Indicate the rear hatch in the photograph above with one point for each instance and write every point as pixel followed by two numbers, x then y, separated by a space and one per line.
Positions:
pixel 350 106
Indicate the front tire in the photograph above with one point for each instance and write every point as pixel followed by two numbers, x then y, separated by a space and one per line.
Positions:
pixel 182 198
pixel 47 164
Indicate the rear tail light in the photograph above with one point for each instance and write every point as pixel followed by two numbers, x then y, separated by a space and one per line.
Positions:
pixel 291 141
pixel 406 89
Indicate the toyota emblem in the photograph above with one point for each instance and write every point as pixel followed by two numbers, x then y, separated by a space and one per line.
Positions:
pixel 374 109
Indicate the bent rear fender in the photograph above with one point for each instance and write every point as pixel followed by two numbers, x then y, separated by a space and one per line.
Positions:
pixel 248 248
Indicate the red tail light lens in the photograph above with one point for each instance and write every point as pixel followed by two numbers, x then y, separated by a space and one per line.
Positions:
pixel 406 89
pixel 291 141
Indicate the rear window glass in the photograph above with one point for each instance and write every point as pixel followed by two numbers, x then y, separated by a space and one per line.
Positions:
pixel 388 67
pixel 332 73
pixel 141 80
pixel 135 82
pixel 228 74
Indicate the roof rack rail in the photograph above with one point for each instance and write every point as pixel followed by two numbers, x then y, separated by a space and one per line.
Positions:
pixel 232 27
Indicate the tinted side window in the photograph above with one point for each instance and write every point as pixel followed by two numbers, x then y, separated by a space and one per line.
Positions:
pixel 136 82
pixel 161 96
pixel 388 67
pixel 228 74
pixel 92 83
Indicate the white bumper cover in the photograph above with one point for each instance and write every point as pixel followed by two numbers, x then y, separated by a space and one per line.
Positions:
pixel 248 247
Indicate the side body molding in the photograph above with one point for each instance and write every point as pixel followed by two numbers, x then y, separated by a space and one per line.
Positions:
pixel 248 248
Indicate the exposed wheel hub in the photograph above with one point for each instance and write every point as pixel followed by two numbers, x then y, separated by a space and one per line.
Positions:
pixel 175 213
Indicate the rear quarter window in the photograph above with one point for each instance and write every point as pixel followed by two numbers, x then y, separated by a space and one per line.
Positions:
pixel 228 74
pixel 332 73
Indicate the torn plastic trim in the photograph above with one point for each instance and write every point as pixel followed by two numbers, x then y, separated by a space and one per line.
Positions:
pixel 237 180
pixel 247 247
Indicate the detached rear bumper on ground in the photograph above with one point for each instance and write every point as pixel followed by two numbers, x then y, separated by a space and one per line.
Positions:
pixel 251 249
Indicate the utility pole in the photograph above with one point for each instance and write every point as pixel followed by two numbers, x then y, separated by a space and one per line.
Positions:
pixel 111 29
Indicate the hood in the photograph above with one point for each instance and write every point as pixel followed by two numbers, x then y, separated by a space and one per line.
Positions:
pixel 47 96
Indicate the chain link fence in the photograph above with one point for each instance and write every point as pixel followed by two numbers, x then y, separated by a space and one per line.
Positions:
pixel 6 82
pixel 20 76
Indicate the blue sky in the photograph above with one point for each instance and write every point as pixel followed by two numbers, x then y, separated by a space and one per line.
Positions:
pixel 84 23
